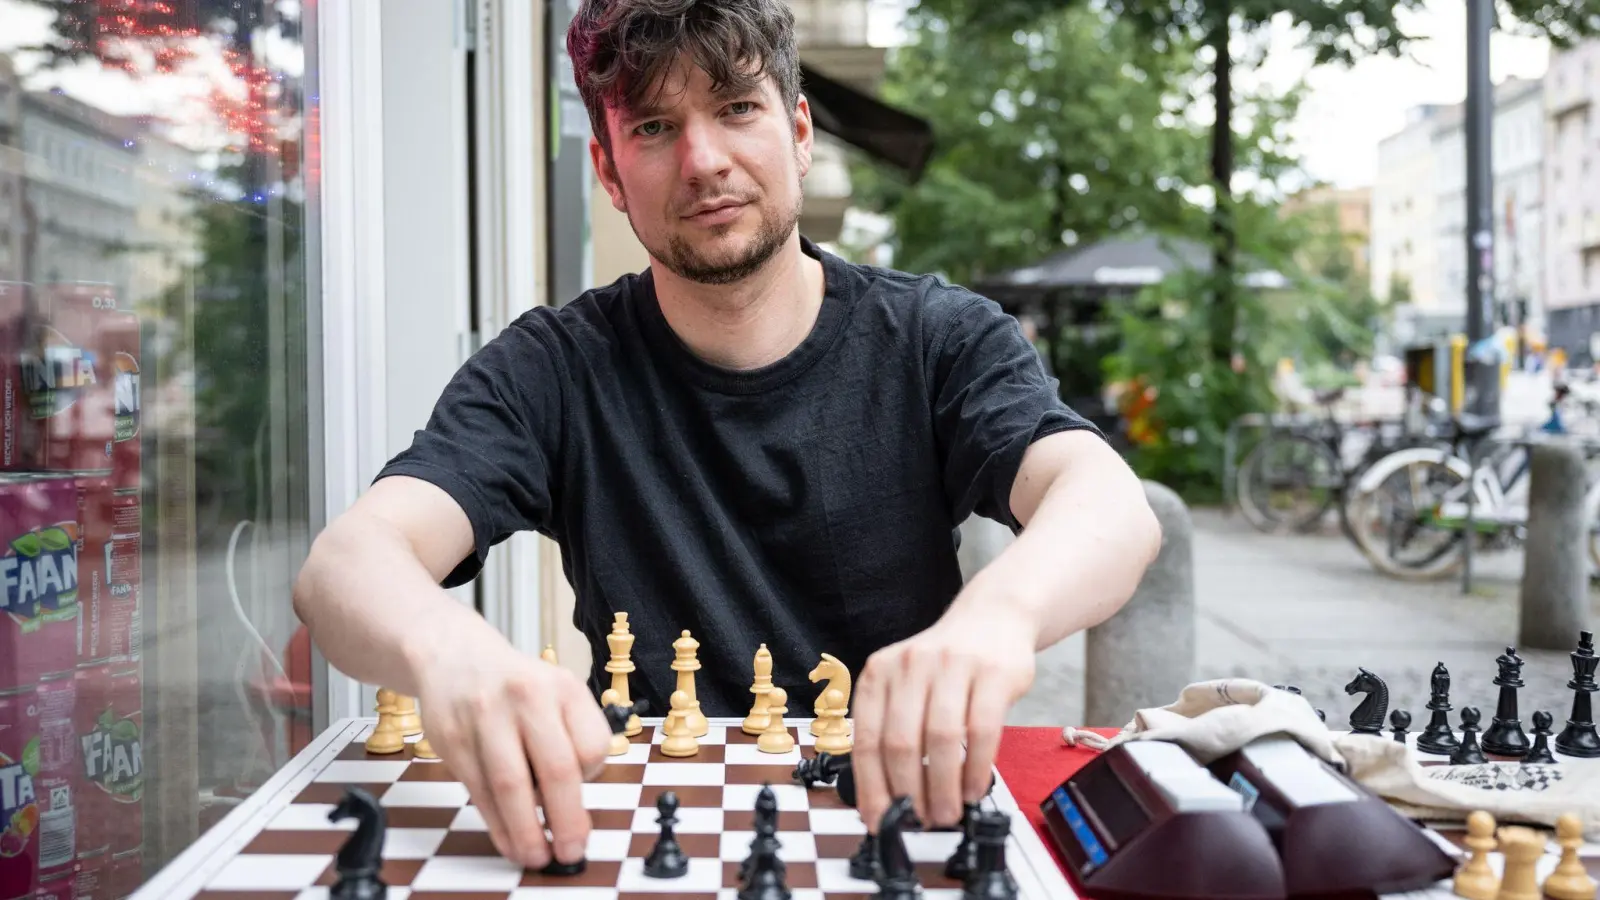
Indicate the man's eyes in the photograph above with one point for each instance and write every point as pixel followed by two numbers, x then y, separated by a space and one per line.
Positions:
pixel 657 127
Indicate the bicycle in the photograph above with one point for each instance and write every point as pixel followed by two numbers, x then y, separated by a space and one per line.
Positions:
pixel 1410 509
pixel 1290 480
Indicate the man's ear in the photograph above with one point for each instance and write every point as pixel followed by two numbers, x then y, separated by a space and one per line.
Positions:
pixel 803 134
pixel 607 173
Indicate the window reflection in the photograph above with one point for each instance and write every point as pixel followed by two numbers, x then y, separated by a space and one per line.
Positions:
pixel 156 281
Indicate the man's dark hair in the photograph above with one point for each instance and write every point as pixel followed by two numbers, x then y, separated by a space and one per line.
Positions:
pixel 621 49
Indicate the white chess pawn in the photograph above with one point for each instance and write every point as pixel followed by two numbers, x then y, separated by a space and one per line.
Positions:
pixel 1570 880
pixel 776 739
pixel 1476 880
pixel 386 736
pixel 680 740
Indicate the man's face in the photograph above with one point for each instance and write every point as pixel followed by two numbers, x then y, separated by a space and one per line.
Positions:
pixel 710 182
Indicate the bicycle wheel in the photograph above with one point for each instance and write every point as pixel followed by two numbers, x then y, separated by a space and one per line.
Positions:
pixel 1287 483
pixel 1396 525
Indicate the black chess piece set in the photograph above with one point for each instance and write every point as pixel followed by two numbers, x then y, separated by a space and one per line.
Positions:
pixel 1505 737
pixel 761 875
pixel 978 862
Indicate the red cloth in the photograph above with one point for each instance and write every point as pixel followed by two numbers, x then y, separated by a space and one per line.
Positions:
pixel 1033 761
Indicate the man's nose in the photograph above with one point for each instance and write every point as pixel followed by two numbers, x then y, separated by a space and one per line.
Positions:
pixel 704 151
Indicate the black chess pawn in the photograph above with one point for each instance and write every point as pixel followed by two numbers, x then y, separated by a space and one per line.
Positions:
pixel 1367 718
pixel 360 859
pixel 667 859
pixel 991 879
pixel 961 861
pixel 766 841
pixel 1504 736
pixel 1468 753
pixel 1540 751
pixel 1399 721
pixel 1579 738
pixel 1436 736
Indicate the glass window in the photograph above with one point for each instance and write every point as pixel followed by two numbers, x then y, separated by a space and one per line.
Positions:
pixel 155 290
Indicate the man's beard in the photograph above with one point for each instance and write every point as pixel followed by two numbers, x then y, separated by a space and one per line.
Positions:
pixel 686 262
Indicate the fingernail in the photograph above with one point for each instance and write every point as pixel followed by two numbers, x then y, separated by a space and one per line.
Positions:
pixel 570 851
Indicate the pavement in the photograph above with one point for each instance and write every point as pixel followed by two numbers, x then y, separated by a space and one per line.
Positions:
pixel 1308 610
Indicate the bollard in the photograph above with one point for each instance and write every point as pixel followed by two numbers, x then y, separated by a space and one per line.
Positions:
pixel 1144 655
pixel 1555 564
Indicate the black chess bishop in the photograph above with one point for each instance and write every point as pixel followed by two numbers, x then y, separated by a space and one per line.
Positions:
pixel 1436 736
pixel 761 875
pixel 1579 738
pixel 1505 736
pixel 666 859
pixel 360 859
pixel 1468 753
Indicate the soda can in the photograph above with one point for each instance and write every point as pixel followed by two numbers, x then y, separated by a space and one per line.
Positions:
pixel 93 705
pixel 19 807
pixel 92 879
pixel 38 579
pixel 113 758
pixel 73 381
pixel 54 786
pixel 123 563
pixel 59 886
pixel 127 872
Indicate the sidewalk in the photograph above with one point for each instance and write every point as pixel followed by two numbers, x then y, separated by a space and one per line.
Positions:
pixel 1308 610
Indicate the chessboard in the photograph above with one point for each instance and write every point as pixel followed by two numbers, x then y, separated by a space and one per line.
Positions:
pixel 281 845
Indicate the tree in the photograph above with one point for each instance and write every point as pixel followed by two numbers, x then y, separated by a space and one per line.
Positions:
pixel 1337 30
pixel 1065 134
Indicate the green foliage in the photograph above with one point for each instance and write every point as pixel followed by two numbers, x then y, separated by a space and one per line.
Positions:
pixel 1064 133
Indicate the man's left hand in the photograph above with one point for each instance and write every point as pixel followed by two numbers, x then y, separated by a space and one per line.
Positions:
pixel 933 695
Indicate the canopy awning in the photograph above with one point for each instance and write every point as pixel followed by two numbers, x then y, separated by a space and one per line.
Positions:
pixel 863 121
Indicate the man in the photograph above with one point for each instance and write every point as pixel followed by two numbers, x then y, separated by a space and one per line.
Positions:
pixel 753 441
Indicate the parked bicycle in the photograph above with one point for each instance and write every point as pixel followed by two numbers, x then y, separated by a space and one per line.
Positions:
pixel 1296 474
pixel 1409 510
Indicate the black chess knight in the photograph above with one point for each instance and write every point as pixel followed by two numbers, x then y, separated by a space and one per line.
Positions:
pixel 1437 737
pixel 1505 736
pixel 897 874
pixel 1367 718
pixel 360 859
pixel 1579 738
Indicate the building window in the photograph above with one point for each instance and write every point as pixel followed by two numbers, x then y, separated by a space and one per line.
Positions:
pixel 174 474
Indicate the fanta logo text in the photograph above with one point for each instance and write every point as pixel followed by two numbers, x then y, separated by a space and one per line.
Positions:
pixel 16 790
pixel 40 569
pixel 59 367
pixel 110 760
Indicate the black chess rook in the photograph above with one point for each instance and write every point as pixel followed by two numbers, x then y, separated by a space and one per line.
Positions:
pixel 1436 736
pixel 1579 738
pixel 991 878
pixel 1505 736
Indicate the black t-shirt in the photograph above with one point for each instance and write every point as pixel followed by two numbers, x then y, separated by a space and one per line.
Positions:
pixel 810 504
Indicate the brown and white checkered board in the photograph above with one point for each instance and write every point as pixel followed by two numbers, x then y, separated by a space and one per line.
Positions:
pixel 438 847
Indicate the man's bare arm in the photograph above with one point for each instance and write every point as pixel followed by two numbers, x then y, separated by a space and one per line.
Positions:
pixel 369 590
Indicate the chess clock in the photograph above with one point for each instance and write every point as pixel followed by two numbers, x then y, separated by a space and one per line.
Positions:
pixel 1145 821
pixel 1334 837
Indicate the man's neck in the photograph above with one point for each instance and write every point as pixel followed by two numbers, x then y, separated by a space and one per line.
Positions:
pixel 753 323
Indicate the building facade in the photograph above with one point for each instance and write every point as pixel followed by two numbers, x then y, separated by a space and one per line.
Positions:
pixel 1571 239
pixel 1404 249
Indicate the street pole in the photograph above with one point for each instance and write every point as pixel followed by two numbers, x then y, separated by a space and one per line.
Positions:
pixel 1481 370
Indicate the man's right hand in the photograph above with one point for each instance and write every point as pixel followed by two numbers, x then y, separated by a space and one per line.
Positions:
pixel 522 735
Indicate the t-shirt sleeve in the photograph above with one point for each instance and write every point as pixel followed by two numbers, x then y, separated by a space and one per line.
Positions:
pixel 493 440
pixel 991 400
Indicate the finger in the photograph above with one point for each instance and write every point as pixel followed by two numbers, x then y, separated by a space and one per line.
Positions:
pixel 508 776
pixel 588 728
pixel 866 753
pixel 461 755
pixel 560 774
pixel 943 734
pixel 986 716
pixel 904 722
